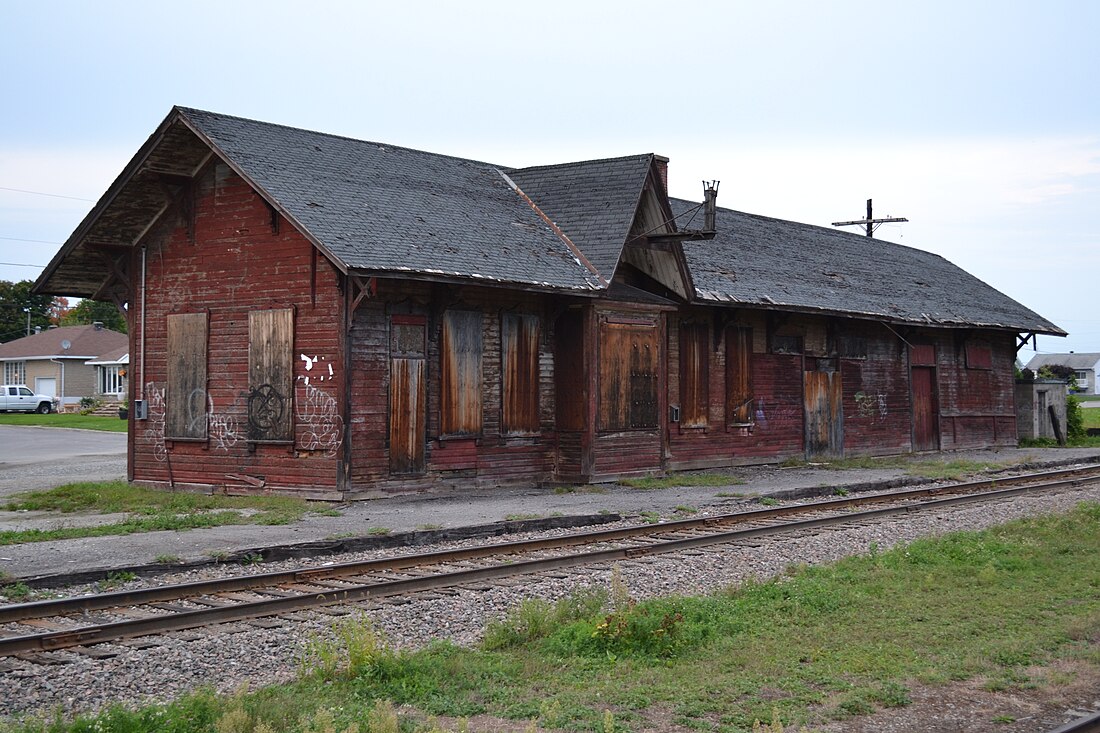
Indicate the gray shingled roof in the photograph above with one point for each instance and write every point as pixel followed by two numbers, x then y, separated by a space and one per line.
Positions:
pixel 1073 361
pixel 593 202
pixel 389 209
pixel 85 342
pixel 764 262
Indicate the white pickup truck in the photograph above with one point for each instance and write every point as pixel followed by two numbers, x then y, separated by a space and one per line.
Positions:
pixel 19 398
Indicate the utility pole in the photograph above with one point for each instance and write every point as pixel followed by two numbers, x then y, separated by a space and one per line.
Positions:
pixel 28 312
pixel 870 221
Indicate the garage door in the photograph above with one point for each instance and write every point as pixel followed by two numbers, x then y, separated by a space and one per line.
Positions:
pixel 46 386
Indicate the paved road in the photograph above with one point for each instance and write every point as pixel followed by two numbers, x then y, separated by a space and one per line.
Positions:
pixel 40 458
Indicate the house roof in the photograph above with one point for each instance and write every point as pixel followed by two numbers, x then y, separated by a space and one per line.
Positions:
pixel 771 263
pixel 1073 361
pixel 85 342
pixel 121 355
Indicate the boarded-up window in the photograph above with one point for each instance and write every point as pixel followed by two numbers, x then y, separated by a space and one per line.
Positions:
pixel 271 375
pixel 851 347
pixel 694 374
pixel 185 413
pixel 739 394
pixel 628 375
pixel 519 356
pixel 408 424
pixel 460 377
pixel 979 355
pixel 783 343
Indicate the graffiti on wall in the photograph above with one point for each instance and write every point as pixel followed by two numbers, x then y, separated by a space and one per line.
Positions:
pixel 322 428
pixel 266 407
pixel 871 406
pixel 154 425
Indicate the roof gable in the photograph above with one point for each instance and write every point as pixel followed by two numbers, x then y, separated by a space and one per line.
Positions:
pixel 594 202
pixel 765 262
pixel 1073 361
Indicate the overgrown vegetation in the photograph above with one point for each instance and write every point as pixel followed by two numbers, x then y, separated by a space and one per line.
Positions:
pixel 149 510
pixel 818 643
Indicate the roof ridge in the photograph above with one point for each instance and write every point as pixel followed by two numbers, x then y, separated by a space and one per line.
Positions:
pixel 348 138
pixel 549 166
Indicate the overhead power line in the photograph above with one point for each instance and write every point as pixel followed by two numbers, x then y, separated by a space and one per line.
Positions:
pixel 51 195
pixel 21 264
pixel 38 241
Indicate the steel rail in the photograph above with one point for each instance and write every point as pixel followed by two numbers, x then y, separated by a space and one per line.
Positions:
pixel 101 601
pixel 84 604
pixel 270 607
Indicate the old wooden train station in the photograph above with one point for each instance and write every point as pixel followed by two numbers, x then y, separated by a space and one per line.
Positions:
pixel 332 318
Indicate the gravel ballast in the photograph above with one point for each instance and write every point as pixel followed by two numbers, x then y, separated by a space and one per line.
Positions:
pixel 259 656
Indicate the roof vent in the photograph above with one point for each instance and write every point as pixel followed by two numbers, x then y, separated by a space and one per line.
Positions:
pixel 98 325
pixel 710 204
pixel 38 330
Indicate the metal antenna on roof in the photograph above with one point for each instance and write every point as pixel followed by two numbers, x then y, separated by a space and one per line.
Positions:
pixel 710 204
pixel 870 222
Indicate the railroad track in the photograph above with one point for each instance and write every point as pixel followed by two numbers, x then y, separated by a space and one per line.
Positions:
pixel 31 629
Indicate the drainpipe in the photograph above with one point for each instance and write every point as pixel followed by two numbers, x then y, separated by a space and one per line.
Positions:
pixel 61 396
pixel 141 372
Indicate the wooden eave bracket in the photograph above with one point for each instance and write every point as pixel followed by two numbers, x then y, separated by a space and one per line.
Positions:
pixel 116 274
pixel 361 288
pixel 1023 338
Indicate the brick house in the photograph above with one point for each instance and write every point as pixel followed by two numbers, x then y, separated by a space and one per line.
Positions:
pixel 58 361
pixel 334 318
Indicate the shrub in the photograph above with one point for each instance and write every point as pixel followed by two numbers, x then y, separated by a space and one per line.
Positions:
pixel 1075 419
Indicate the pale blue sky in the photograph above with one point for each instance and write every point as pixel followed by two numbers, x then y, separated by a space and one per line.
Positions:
pixel 979 121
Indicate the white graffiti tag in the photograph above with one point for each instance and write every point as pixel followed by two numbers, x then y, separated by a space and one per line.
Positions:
pixel 317 413
pixel 154 426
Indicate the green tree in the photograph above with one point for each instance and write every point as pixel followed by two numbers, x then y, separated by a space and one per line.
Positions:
pixel 14 298
pixel 89 311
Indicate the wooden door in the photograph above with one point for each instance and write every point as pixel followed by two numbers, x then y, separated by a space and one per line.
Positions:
pixel 926 434
pixel 408 395
pixel 824 408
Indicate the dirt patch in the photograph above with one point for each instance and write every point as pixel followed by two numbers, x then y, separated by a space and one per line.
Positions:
pixel 1056 694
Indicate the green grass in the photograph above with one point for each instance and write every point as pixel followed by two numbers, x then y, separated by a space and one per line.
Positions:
pixel 149 510
pixel 65 420
pixel 1091 417
pixel 682 479
pixel 945 470
pixel 820 643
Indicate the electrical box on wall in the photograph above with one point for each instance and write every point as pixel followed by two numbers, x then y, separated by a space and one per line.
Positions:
pixel 141 409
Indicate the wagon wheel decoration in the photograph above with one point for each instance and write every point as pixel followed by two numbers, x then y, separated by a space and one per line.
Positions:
pixel 266 408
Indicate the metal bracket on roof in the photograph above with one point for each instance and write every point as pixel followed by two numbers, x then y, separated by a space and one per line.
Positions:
pixel 1023 338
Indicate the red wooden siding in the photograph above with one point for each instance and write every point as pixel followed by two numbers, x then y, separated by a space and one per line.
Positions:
pixel 225 259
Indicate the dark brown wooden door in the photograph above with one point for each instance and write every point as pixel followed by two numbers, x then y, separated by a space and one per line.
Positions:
pixel 926 434
pixel 822 400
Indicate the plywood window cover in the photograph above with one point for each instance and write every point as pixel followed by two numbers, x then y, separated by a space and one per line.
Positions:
pixel 519 419
pixel 979 355
pixel 461 409
pixel 271 367
pixel 739 378
pixel 695 354
pixel 186 374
